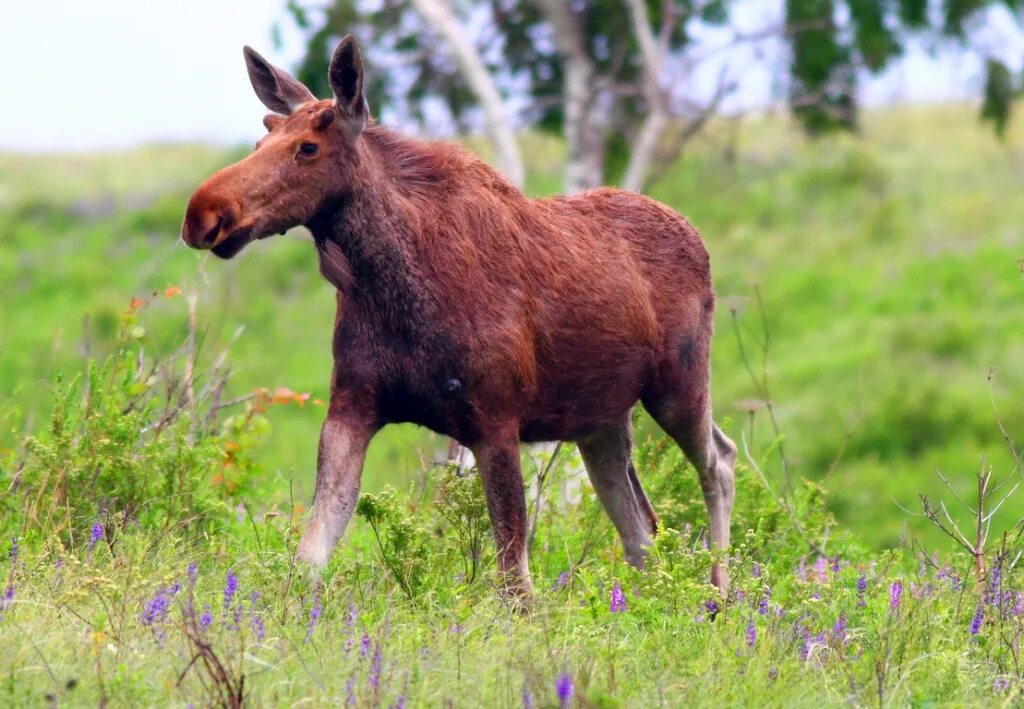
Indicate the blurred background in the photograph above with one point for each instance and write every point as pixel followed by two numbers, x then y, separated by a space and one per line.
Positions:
pixel 855 167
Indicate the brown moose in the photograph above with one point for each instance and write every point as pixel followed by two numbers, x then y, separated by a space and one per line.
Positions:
pixel 481 314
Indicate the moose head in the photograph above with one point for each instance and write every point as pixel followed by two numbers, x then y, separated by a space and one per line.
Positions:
pixel 305 161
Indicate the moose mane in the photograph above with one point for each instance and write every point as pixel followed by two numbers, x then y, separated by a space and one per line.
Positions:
pixel 427 169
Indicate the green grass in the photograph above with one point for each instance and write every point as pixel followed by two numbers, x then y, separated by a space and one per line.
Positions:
pixel 887 265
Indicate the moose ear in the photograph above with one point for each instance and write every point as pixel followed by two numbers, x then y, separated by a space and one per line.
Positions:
pixel 277 89
pixel 346 77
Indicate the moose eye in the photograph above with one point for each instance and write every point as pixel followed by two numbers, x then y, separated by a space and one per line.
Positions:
pixel 308 148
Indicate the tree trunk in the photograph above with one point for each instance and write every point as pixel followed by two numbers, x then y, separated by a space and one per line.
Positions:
pixel 645 145
pixel 584 128
pixel 499 130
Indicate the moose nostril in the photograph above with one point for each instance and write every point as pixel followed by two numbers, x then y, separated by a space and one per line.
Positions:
pixel 211 234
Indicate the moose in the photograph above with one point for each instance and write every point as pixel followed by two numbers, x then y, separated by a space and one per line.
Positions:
pixel 481 314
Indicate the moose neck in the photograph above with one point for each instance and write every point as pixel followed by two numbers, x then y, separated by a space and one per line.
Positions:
pixel 366 251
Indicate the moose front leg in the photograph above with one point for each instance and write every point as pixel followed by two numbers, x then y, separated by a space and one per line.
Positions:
pixel 506 505
pixel 339 469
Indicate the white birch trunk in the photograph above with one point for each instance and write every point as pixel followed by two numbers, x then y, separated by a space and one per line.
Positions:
pixel 645 145
pixel 584 131
pixel 498 128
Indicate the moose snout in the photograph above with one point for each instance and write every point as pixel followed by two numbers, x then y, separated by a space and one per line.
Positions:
pixel 206 225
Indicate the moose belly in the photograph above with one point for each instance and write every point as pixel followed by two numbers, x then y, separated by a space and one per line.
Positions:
pixel 581 390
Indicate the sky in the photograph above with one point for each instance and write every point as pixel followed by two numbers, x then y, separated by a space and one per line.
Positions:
pixel 96 74
pixel 102 74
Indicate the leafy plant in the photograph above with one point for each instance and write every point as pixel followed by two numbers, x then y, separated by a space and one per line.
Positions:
pixel 460 502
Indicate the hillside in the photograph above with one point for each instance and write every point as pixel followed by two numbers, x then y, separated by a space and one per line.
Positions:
pixel 887 264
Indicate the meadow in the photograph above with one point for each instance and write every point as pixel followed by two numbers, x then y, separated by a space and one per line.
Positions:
pixel 161 408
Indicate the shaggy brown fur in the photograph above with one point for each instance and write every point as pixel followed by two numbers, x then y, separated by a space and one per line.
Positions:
pixel 466 307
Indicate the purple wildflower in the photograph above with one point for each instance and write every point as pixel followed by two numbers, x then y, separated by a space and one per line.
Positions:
pixel 352 615
pixel 757 570
pixel 711 605
pixel 839 629
pixel 618 599
pixel 255 620
pixel 821 569
pixel 192 572
pixel 155 610
pixel 350 691
pixel 976 621
pixel 375 667
pixel 230 587
pixel 399 703
pixel 527 697
pixel 7 599
pixel 256 624
pixel 835 564
pixel 14 551
pixel 95 535
pixel 563 580
pixel 1000 685
pixel 364 646
pixel 862 587
pixel 751 634
pixel 762 605
pixel 314 616
pixel 564 689
pixel 809 642
pixel 992 591
pixel 895 594
pixel 206 619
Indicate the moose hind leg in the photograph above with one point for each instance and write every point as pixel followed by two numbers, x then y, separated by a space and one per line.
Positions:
pixel 606 455
pixel 681 405
pixel 339 469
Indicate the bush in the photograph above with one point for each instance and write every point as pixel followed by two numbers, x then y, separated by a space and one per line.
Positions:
pixel 137 441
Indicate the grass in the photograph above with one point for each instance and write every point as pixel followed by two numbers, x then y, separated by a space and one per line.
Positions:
pixel 891 294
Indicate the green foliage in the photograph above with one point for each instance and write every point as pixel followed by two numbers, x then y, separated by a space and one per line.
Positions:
pixel 998 96
pixel 830 41
pixel 129 446
pixel 828 52
pixel 402 541
pixel 509 46
pixel 460 503
pixel 139 624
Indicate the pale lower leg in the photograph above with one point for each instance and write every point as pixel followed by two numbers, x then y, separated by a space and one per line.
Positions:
pixel 607 457
pixel 339 470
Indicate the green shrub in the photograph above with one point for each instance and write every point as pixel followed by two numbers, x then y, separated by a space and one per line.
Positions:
pixel 136 441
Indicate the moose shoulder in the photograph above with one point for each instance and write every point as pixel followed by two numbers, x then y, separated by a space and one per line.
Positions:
pixel 477 312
